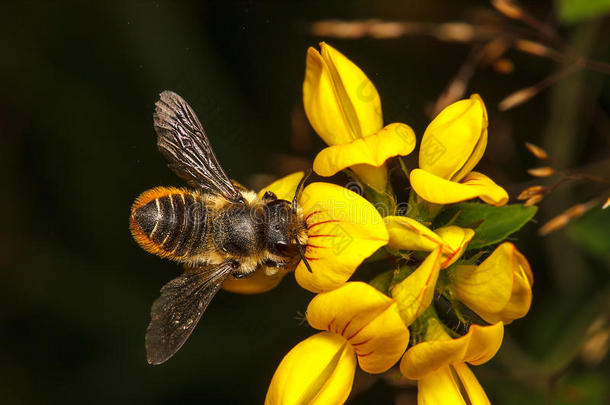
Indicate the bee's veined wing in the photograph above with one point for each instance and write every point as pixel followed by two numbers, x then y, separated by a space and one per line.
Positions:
pixel 176 312
pixel 183 142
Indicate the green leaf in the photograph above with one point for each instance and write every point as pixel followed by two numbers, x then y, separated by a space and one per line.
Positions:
pixel 491 224
pixel 592 233
pixel 388 279
pixel 571 11
pixel 383 281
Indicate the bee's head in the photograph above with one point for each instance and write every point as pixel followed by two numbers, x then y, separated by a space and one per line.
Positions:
pixel 282 224
pixel 285 226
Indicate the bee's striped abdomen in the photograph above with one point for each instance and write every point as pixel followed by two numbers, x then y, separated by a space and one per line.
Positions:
pixel 170 222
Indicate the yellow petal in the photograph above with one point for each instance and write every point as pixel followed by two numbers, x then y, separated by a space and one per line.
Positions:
pixel 489 191
pixel 327 117
pixel 366 156
pixel 440 191
pixel 319 370
pixel 457 238
pixel 408 234
pixel 453 139
pixel 367 318
pixel 476 347
pixel 375 177
pixel 485 288
pixel 484 343
pixel 393 140
pixel 499 289
pixel 451 385
pixel 340 101
pixel 354 87
pixel 479 148
pixel 343 230
pixel 521 295
pixel 524 269
pixel 283 188
pixel 414 294
pixel 262 280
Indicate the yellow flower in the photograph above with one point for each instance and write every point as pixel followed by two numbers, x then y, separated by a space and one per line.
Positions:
pixel 451 385
pixel 499 289
pixel 361 325
pixel 451 147
pixel 343 107
pixel 408 234
pixel 438 363
pixel 343 229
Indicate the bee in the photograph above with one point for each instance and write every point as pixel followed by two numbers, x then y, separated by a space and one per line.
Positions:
pixel 217 228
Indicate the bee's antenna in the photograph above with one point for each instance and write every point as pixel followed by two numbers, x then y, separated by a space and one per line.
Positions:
pixel 297 193
pixel 301 253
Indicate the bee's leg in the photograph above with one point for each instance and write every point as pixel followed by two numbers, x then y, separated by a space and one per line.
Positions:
pixel 273 263
pixel 237 274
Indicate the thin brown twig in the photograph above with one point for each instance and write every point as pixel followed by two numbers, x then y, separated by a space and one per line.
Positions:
pixel 537 49
pixel 492 35
pixel 581 176
pixel 450 32
pixel 523 95
pixel 512 9
pixel 596 65
pixel 458 85
pixel 567 216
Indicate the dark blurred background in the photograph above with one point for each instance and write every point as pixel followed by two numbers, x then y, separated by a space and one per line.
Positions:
pixel 78 85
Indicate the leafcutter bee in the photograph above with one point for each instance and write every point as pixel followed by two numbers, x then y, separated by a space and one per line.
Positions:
pixel 217 228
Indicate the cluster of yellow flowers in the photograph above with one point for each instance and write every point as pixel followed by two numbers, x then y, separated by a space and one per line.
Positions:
pixel 392 319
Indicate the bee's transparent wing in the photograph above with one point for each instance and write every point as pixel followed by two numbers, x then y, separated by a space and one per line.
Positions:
pixel 176 312
pixel 183 142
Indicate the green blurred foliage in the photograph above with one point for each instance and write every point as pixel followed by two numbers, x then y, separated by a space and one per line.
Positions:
pixel 582 388
pixel 78 84
pixel 571 11
pixel 592 234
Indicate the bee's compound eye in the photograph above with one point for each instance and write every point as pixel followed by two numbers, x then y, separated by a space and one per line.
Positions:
pixel 281 246
pixel 284 248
